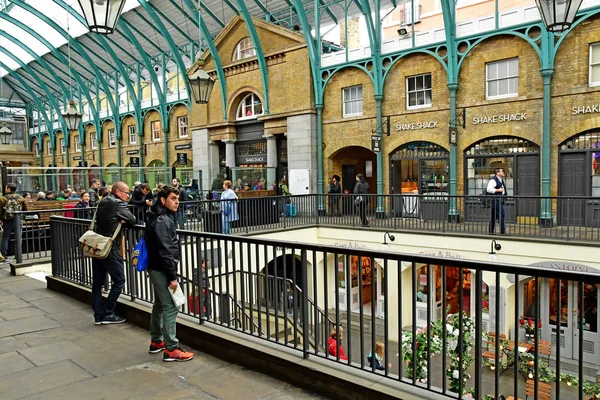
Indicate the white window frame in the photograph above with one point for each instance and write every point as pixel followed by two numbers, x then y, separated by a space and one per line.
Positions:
pixel 182 126
pixel 424 90
pixel 406 18
pixel 77 145
pixel 61 143
pixel 93 141
pixel 155 132
pixel 388 18
pixel 49 147
pixel 347 92
pixel 132 134
pixel 248 108
pixel 498 79
pixel 594 47
pixel 112 138
pixel 244 49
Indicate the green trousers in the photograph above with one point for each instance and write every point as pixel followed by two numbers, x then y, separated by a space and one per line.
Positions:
pixel 163 323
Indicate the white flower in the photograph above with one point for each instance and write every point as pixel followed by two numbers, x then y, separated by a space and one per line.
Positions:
pixel 455 374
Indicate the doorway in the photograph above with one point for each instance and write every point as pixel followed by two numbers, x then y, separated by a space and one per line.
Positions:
pixel 528 184
pixel 372 278
pixel 572 183
pixel 563 311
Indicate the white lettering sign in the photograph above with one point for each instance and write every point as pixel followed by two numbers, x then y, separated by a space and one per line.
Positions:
pixel 496 119
pixel 585 109
pixel 417 125
pixel 440 253
pixel 350 245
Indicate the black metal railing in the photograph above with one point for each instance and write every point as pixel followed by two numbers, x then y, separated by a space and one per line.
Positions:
pixel 453 327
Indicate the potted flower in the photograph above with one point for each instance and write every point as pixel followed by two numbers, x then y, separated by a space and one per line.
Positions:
pixel 530 327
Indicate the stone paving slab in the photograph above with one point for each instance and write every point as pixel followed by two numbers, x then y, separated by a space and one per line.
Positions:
pixel 13 362
pixel 51 349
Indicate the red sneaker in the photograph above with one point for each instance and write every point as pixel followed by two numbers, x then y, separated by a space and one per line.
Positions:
pixel 178 354
pixel 156 347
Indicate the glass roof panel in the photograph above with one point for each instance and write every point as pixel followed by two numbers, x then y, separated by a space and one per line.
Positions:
pixel 53 11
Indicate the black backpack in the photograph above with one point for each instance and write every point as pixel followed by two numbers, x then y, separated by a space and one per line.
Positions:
pixel 485 199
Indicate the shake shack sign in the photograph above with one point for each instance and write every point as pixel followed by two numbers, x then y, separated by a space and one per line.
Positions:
pixel 499 118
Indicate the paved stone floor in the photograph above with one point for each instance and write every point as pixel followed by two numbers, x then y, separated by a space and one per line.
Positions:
pixel 50 349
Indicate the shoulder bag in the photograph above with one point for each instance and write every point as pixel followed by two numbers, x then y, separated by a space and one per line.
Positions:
pixel 96 245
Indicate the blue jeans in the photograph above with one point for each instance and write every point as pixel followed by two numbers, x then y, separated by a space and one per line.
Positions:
pixel 9 226
pixel 113 265
pixel 497 214
pixel 226 222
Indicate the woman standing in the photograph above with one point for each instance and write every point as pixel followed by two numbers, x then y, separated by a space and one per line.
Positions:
pixel 228 207
pixel 83 207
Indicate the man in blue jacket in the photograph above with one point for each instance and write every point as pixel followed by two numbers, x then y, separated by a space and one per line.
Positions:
pixel 163 259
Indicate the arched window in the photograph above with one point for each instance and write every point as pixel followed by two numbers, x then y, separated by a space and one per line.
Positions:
pixel 244 49
pixel 249 107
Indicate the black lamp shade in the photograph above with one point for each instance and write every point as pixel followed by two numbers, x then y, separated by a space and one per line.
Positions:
pixel 558 15
pixel 201 85
pixel 72 117
pixel 5 134
pixel 102 15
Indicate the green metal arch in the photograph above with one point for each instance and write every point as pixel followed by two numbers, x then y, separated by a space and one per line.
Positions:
pixel 172 106
pixel 76 46
pixel 260 55
pixel 395 59
pixel 587 15
pixel 51 98
pixel 165 34
pixel 111 53
pixel 37 58
pixel 41 109
pixel 511 32
pixel 214 53
pixel 331 72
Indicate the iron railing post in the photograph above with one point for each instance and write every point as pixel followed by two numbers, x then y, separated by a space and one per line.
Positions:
pixel 305 330
pixel 18 222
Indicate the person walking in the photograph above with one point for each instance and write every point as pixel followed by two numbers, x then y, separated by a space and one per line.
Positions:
pixel 9 204
pixel 497 188
pixel 228 207
pixel 112 211
pixel 361 189
pixel 93 191
pixel 334 191
pixel 163 259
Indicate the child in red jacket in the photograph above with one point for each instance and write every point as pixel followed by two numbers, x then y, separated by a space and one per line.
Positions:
pixel 334 343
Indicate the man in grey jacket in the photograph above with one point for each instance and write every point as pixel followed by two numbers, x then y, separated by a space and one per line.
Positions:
pixel 163 260
pixel 112 211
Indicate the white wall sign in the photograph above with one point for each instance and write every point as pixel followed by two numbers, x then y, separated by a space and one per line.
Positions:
pixel 585 109
pixel 417 125
pixel 440 253
pixel 499 118
pixel 299 181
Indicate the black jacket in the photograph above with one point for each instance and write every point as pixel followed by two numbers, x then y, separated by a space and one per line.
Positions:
pixel 111 211
pixel 162 241
pixel 138 199
pixel 93 197
pixel 361 187
pixel 334 187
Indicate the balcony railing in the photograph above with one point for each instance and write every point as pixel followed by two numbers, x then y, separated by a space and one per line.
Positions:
pixel 452 327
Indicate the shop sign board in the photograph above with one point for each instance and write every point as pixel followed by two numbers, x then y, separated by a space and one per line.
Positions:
pixel 132 152
pixel 183 146
pixel 182 159
pixel 594 108
pixel 417 125
pixel 499 118
pixel 376 144
pixel 254 159
pixel 76 158
pixel 134 161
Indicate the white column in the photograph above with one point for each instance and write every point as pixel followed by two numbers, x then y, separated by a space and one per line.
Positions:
pixel 271 150
pixel 230 152
pixel 213 157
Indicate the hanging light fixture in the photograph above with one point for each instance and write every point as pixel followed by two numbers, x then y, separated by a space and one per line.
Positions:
pixel 558 15
pixel 201 85
pixel 71 116
pixel 101 15
pixel 200 82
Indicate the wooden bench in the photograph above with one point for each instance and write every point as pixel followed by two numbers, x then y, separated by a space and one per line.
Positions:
pixel 42 217
pixel 544 348
pixel 544 391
